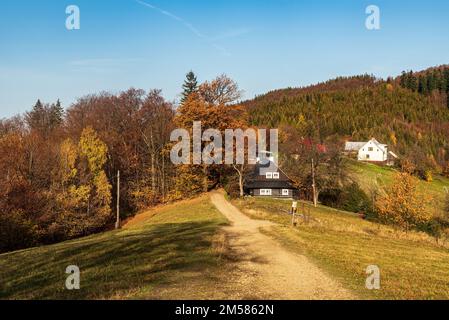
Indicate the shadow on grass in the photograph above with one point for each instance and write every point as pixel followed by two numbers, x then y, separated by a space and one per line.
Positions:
pixel 139 259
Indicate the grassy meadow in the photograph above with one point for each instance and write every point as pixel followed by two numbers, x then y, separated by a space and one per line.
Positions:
pixel 412 265
pixel 371 177
pixel 173 252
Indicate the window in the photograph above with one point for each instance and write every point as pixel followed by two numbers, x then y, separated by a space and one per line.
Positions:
pixel 275 175
pixel 265 192
pixel 285 192
pixel 367 156
pixel 269 175
pixel 370 149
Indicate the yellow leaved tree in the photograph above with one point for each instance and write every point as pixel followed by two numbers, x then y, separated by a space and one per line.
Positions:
pixel 95 152
pixel 402 205
pixel 84 192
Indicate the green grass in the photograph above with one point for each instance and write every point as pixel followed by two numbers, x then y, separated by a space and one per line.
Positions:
pixel 170 253
pixel 371 177
pixel 412 265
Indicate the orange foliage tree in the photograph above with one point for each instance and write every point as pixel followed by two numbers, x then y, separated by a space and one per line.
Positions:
pixel 402 205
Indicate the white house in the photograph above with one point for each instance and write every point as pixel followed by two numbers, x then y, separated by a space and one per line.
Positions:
pixel 371 151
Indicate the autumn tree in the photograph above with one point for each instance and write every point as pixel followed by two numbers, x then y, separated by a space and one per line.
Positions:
pixel 95 152
pixel 135 125
pixel 20 202
pixel 85 196
pixel 221 91
pixel 315 166
pixel 213 106
pixel 402 205
pixel 155 125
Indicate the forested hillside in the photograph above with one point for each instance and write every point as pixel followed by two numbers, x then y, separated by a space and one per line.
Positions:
pixel 415 125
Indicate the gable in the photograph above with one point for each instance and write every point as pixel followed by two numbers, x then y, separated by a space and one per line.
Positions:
pixel 374 144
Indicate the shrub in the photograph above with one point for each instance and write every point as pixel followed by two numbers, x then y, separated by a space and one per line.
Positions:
pixel 350 198
pixel 231 186
pixel 16 232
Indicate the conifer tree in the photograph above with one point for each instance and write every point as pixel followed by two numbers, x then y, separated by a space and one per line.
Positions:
pixel 190 86
pixel 446 78
pixel 422 85
pixel 36 117
pixel 56 114
pixel 412 83
pixel 431 82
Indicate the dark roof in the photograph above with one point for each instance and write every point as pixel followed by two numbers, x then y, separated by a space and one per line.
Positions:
pixel 255 180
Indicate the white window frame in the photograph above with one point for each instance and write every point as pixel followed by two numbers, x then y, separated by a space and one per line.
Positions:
pixel 269 175
pixel 276 175
pixel 285 192
pixel 266 192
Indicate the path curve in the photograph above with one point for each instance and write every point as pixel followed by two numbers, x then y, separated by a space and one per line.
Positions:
pixel 268 269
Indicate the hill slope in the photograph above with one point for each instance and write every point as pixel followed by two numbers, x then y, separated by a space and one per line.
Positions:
pixel 360 108
pixel 171 253
pixel 179 252
pixel 372 177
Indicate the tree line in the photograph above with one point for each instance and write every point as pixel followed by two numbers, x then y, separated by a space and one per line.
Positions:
pixel 59 167
pixel 415 126
pixel 434 81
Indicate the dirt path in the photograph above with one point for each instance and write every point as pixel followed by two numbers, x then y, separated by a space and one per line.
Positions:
pixel 266 269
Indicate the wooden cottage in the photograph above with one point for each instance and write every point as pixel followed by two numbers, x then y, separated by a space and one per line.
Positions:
pixel 269 181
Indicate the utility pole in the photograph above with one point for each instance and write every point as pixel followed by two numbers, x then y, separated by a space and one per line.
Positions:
pixel 117 223
pixel 315 202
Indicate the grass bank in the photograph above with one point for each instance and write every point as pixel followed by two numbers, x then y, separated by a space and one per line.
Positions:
pixel 412 265
pixel 172 252
pixel 372 177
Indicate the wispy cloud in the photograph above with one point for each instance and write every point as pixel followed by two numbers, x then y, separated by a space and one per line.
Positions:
pixel 232 33
pixel 102 65
pixel 102 62
pixel 210 40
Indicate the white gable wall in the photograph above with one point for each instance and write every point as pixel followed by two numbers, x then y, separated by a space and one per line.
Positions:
pixel 373 152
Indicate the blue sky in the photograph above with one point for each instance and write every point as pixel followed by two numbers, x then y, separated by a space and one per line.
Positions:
pixel 263 45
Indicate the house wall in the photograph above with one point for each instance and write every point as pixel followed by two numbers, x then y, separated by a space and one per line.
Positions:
pixel 374 155
pixel 275 193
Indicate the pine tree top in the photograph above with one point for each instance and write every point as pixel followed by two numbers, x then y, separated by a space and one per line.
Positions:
pixel 190 85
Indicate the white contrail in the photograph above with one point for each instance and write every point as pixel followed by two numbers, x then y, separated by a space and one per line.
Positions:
pixel 187 24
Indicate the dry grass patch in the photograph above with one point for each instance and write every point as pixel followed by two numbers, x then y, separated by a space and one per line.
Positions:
pixel 412 265
pixel 173 252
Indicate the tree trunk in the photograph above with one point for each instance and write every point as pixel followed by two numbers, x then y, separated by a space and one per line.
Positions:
pixel 241 179
pixel 153 175
pixel 242 194
pixel 153 167
pixel 315 198
pixel 163 178
pixel 315 193
pixel 205 179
